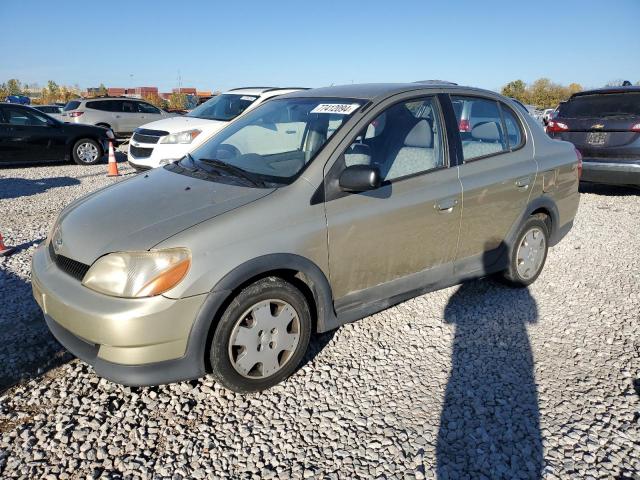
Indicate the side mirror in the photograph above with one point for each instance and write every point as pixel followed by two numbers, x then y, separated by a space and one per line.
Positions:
pixel 359 178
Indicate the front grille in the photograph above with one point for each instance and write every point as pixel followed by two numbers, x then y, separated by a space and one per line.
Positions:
pixel 146 135
pixel 139 152
pixel 69 266
pixel 138 137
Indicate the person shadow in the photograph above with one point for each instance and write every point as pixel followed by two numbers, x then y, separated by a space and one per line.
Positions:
pixel 490 421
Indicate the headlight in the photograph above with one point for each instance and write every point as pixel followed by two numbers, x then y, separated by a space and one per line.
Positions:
pixel 110 134
pixel 138 274
pixel 181 137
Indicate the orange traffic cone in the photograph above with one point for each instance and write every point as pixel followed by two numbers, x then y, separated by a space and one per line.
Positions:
pixel 113 165
pixel 4 250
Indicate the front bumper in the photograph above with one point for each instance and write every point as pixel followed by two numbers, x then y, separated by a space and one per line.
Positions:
pixel 155 153
pixel 130 341
pixel 610 173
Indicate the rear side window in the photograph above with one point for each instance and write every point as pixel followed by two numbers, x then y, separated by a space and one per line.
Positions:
pixel 480 125
pixel 512 126
pixel 72 105
pixel 603 105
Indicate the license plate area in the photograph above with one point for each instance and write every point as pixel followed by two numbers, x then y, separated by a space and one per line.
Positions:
pixel 597 138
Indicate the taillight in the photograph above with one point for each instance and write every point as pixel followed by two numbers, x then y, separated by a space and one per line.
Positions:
pixel 579 155
pixel 464 126
pixel 75 114
pixel 555 127
pixel 635 128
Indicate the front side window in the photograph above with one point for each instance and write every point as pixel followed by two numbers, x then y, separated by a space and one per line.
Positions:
pixel 146 108
pixel 480 126
pixel 19 116
pixel 128 107
pixel 405 139
pixel 223 107
pixel 274 142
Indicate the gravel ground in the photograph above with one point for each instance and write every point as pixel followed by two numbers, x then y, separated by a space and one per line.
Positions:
pixel 478 381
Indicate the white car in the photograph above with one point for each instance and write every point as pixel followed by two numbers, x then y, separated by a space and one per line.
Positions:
pixel 158 143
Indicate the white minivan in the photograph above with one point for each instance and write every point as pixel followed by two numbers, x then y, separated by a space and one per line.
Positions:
pixel 158 143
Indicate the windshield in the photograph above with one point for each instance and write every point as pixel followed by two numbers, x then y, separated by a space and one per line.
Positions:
pixel 223 107
pixel 274 142
pixel 604 105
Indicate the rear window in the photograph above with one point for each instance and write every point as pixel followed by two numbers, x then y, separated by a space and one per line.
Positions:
pixel 71 105
pixel 603 105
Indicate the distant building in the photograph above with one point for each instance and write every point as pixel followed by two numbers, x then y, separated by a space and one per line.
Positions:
pixel 187 90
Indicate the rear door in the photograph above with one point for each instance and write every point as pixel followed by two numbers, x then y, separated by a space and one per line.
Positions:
pixel 128 116
pixel 497 175
pixel 602 126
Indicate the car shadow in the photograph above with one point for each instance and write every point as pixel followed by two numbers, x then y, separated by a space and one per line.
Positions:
pixel 609 190
pixel 28 348
pixel 490 420
pixel 22 187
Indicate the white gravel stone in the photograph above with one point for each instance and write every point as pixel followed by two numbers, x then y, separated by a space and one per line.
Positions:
pixel 478 381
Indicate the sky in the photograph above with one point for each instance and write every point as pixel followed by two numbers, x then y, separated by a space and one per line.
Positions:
pixel 221 45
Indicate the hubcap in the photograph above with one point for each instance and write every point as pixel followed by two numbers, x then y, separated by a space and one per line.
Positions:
pixel 87 152
pixel 264 338
pixel 531 253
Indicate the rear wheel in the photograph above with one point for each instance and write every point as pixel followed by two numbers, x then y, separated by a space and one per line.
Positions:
pixel 528 254
pixel 87 151
pixel 261 337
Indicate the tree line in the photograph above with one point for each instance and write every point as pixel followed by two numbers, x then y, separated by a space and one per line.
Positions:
pixel 53 93
pixel 543 93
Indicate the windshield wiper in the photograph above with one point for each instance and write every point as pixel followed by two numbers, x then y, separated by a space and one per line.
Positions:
pixel 232 169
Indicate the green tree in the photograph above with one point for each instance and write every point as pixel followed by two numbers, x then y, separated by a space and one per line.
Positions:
pixel 102 90
pixel 178 101
pixel 516 89
pixel 155 99
pixel 4 91
pixel 14 87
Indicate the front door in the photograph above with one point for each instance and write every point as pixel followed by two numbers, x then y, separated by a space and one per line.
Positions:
pixel 497 176
pixel 378 240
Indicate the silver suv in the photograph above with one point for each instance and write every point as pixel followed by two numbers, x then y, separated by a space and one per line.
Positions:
pixel 120 114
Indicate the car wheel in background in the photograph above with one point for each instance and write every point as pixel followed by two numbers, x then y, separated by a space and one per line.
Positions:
pixel 528 254
pixel 87 152
pixel 261 337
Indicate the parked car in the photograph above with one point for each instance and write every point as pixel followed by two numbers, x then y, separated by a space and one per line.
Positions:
pixel 164 141
pixel 228 260
pixel 604 124
pixel 547 114
pixel 54 111
pixel 120 114
pixel 28 135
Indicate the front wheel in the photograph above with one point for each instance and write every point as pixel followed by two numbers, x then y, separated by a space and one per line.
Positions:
pixel 87 151
pixel 528 253
pixel 261 337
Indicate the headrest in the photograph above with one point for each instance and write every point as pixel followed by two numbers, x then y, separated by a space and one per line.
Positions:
pixel 420 136
pixel 486 132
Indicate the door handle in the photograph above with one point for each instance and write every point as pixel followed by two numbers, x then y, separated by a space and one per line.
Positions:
pixel 523 182
pixel 446 206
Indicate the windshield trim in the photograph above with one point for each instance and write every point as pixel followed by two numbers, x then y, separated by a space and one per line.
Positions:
pixel 284 181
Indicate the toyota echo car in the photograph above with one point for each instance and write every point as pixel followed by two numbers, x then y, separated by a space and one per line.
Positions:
pixel 226 261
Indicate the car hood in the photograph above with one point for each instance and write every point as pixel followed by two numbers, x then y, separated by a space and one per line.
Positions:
pixel 139 213
pixel 182 123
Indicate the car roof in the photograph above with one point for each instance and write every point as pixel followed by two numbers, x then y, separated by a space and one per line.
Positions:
pixel 261 90
pixel 607 90
pixel 369 91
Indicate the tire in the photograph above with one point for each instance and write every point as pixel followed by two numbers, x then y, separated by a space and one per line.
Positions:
pixel 87 151
pixel 535 252
pixel 239 330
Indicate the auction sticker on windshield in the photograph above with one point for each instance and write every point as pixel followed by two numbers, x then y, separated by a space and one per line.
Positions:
pixel 339 108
